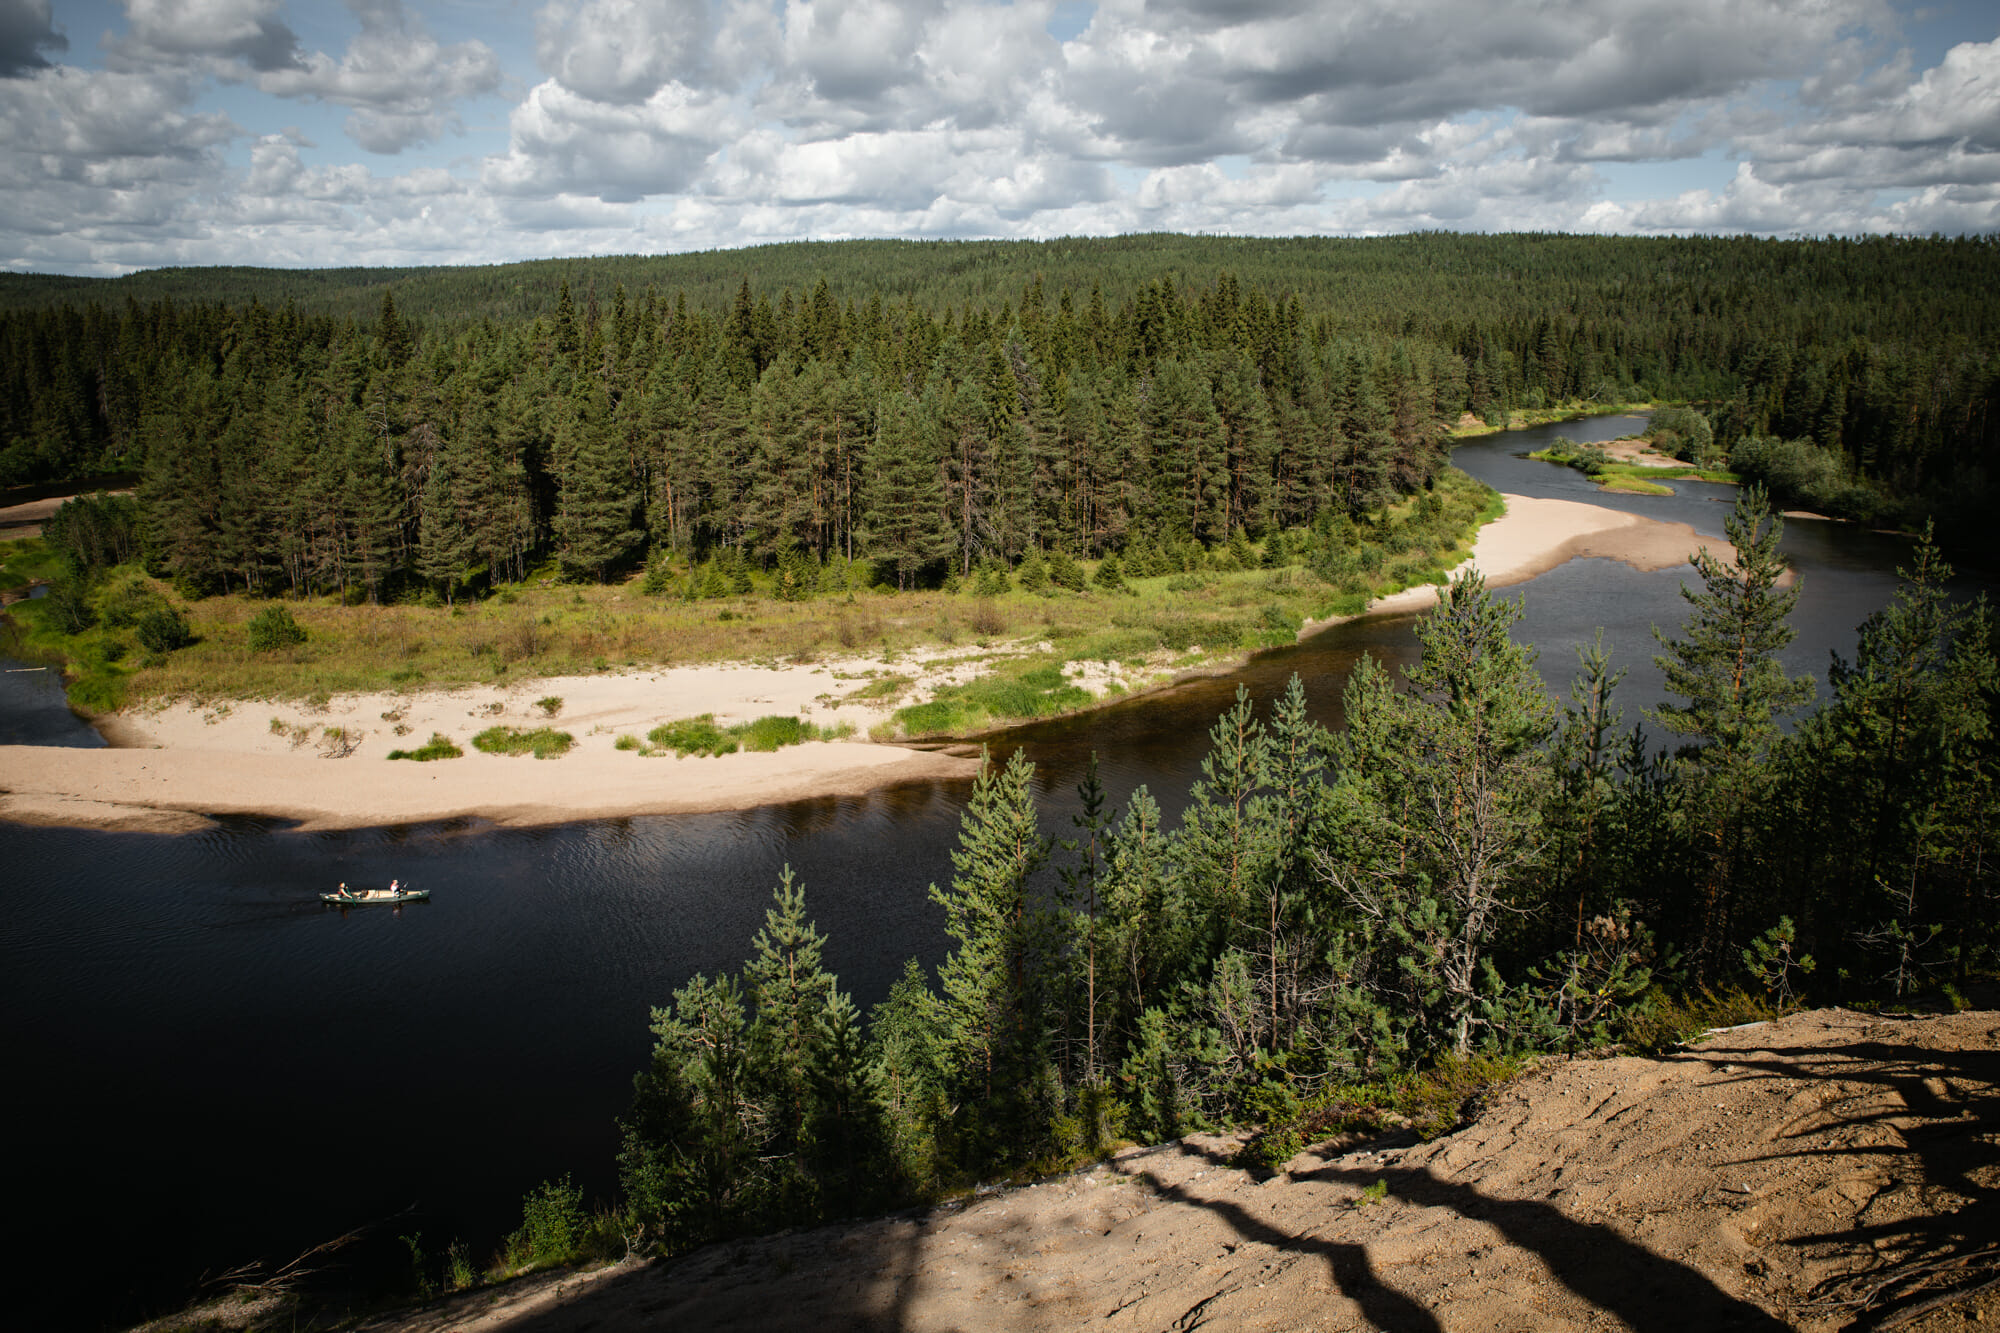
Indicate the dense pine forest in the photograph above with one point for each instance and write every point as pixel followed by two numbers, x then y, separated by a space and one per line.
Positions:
pixel 1466 872
pixel 923 407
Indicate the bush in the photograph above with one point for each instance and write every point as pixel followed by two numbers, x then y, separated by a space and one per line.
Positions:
pixel 1034 572
pixel 693 735
pixel 543 742
pixel 439 746
pixel 1111 574
pixel 163 629
pixel 553 1227
pixel 273 628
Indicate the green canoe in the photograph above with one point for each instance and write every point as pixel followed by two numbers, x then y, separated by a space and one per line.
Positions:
pixel 383 899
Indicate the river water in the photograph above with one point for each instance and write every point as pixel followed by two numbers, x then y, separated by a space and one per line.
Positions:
pixel 211 1067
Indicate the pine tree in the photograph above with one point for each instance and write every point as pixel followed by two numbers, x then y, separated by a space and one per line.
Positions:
pixel 688 1149
pixel 1443 790
pixel 990 987
pixel 1897 782
pixel 1725 666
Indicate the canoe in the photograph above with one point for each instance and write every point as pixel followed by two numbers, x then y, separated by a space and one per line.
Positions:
pixel 383 900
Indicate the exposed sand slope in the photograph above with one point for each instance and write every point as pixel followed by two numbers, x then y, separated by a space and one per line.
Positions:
pixel 1772 1178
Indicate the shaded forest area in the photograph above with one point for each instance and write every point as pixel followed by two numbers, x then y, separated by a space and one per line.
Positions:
pixel 926 406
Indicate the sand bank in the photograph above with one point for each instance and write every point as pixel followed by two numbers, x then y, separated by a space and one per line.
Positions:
pixel 174 764
pixel 1536 535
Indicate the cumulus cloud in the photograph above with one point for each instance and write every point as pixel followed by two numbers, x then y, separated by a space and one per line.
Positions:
pixel 399 81
pixel 217 33
pixel 564 143
pixel 623 51
pixel 26 30
pixel 678 123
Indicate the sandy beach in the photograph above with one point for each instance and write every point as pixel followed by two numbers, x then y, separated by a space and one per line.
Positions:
pixel 173 765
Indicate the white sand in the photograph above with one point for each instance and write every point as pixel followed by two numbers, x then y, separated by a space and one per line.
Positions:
pixel 176 763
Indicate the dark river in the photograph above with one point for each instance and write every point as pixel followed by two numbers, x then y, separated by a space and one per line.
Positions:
pixel 209 1067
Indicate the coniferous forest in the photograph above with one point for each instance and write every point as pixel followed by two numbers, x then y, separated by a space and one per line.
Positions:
pixel 924 406
pixel 1467 872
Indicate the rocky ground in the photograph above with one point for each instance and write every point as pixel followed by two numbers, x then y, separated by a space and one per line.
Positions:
pixel 1832 1170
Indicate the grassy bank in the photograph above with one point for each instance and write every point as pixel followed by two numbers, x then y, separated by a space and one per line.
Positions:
pixel 1624 475
pixel 1521 418
pixel 1210 607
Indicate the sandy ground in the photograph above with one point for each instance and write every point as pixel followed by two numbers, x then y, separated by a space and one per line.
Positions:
pixel 25 520
pixel 173 765
pixel 1831 1170
pixel 1537 535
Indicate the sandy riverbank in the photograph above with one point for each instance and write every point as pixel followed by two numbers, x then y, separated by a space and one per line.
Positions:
pixel 173 765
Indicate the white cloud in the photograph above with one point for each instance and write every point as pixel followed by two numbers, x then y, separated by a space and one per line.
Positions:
pixel 215 33
pixel 564 143
pixel 623 51
pixel 723 122
pixel 399 81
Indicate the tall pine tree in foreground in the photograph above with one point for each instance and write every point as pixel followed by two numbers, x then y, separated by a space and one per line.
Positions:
pixel 1445 786
pixel 1725 667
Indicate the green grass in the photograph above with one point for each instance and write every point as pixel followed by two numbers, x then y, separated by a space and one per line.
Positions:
pixel 26 559
pixel 887 687
pixel 693 735
pixel 701 736
pixel 1524 417
pixel 439 746
pixel 1431 1101
pixel 1040 691
pixel 543 742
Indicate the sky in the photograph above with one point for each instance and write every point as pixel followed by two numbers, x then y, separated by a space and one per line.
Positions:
pixel 144 133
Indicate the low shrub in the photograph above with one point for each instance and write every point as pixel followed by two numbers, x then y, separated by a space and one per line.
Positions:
pixel 693 735
pixel 543 742
pixel 273 628
pixel 439 746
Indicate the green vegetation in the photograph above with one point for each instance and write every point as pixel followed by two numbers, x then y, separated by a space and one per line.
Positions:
pixel 439 746
pixel 958 710
pixel 693 735
pixel 1364 930
pixel 542 742
pixel 273 628
pixel 701 736
pixel 1630 478
pixel 1237 596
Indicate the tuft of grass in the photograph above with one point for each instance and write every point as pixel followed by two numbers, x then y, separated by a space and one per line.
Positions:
pixel 1666 1020
pixel 543 742
pixel 700 735
pixel 693 735
pixel 886 687
pixel 628 742
pixel 439 746
pixel 550 705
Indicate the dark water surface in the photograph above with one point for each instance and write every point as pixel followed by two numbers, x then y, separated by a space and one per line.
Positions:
pixel 213 1067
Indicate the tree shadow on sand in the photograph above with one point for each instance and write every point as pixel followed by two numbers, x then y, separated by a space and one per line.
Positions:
pixel 1648 1292
pixel 1935 1114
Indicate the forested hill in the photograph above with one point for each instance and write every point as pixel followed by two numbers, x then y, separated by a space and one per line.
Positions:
pixel 921 405
pixel 1431 283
